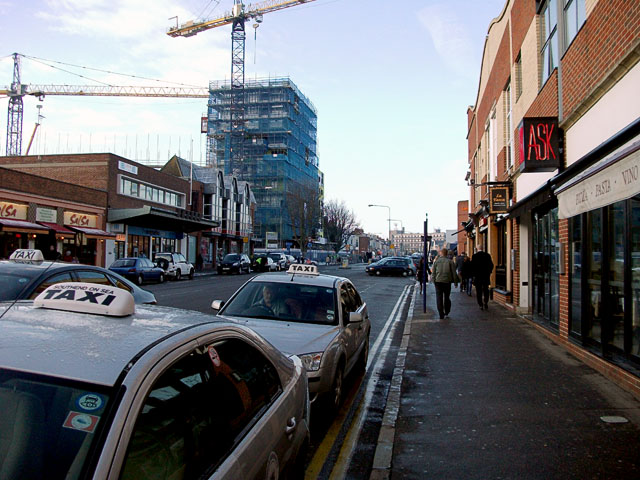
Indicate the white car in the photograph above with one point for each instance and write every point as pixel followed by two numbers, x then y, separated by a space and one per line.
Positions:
pixel 175 265
pixel 320 318
pixel 93 386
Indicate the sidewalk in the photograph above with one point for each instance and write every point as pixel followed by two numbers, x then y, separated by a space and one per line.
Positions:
pixel 485 396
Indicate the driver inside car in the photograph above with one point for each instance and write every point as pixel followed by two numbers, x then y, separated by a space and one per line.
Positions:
pixel 288 307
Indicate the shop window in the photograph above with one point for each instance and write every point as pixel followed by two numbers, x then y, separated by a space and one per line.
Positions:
pixel 635 275
pixel 575 269
pixel 501 259
pixel 546 286
pixel 593 318
pixel 613 325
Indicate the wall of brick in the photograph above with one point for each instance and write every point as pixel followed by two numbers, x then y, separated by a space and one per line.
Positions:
pixel 609 33
pixel 546 103
pixel 522 12
pixel 563 237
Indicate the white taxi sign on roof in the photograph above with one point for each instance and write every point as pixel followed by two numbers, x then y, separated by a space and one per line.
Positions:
pixel 27 255
pixel 299 268
pixel 87 298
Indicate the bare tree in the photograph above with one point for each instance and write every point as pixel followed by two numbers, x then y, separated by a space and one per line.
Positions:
pixel 339 223
pixel 303 205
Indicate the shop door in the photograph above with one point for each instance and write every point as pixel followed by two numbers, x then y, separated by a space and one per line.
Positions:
pixel 545 268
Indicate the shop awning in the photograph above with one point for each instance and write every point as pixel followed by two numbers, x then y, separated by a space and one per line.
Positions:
pixel 614 178
pixel 94 232
pixel 21 226
pixel 158 218
pixel 59 230
pixel 535 199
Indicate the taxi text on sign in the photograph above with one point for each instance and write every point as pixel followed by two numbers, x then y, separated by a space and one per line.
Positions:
pixel 618 181
pixel 539 144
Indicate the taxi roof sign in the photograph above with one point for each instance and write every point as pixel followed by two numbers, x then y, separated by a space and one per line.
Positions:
pixel 299 268
pixel 87 298
pixel 27 255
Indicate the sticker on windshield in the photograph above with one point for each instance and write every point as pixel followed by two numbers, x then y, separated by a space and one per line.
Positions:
pixel 90 402
pixel 81 421
pixel 213 355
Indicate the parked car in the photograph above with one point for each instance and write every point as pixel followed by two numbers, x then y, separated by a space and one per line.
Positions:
pixel 234 263
pixel 26 274
pixel 320 318
pixel 390 266
pixel 263 263
pixel 101 388
pixel 174 265
pixel 279 259
pixel 138 269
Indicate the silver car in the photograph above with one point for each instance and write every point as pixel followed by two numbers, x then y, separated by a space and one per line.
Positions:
pixel 320 318
pixel 92 386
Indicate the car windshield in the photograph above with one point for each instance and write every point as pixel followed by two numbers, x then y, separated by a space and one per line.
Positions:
pixel 14 278
pixel 275 256
pixel 284 301
pixel 50 425
pixel 231 257
pixel 124 262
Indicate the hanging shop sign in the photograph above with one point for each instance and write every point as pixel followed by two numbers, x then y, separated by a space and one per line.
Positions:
pixel 498 199
pixel 13 211
pixel 75 219
pixel 539 144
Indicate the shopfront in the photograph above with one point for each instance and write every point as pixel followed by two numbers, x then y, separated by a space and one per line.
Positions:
pixel 148 241
pixel 602 206
pixel 88 246
pixel 15 231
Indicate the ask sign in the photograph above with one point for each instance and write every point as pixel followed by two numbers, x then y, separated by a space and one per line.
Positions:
pixel 539 144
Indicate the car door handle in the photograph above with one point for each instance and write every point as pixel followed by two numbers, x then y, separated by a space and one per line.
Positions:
pixel 291 426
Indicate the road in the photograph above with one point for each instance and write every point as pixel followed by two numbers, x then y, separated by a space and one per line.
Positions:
pixel 346 443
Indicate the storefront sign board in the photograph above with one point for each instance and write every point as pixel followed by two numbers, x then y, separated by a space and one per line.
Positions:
pixel 75 219
pixel 616 182
pixel 13 211
pixel 539 144
pixel 46 215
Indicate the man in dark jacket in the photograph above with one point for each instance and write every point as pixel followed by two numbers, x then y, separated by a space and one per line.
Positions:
pixel 482 266
pixel 443 274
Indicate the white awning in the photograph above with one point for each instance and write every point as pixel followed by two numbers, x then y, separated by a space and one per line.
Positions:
pixel 615 178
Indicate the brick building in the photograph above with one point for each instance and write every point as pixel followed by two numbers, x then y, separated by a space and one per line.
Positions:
pixel 102 207
pixel 553 150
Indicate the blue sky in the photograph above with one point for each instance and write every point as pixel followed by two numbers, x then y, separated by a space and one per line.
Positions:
pixel 391 82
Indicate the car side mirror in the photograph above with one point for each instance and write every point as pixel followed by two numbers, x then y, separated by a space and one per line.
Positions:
pixel 217 304
pixel 355 317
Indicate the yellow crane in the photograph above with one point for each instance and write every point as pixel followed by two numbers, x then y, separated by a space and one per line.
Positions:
pixel 236 17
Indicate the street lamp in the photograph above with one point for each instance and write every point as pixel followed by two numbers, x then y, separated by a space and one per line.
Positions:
pixel 388 218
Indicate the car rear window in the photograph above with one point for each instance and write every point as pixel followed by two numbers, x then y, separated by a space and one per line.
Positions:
pixel 129 262
pixel 53 426
pixel 232 257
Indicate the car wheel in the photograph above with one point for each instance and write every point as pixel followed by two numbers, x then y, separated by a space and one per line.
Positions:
pixel 404 273
pixel 161 278
pixel 178 274
pixel 335 395
pixel 139 280
pixel 191 273
pixel 378 272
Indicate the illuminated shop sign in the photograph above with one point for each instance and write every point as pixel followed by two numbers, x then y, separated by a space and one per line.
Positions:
pixel 539 144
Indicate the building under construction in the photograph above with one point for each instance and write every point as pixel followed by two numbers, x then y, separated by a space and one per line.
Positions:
pixel 275 149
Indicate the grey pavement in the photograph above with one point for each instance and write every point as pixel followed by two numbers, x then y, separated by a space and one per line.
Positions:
pixel 485 395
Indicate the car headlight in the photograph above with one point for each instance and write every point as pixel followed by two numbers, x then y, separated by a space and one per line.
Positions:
pixel 311 361
pixel 236 264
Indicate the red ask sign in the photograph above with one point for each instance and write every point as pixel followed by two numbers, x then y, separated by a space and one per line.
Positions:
pixel 539 144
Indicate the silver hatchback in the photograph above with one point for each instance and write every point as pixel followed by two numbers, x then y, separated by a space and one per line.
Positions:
pixel 320 318
pixel 92 386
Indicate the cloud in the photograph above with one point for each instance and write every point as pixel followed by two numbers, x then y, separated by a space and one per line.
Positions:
pixel 450 38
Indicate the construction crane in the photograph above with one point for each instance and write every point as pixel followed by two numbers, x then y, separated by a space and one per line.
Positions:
pixel 18 91
pixel 237 17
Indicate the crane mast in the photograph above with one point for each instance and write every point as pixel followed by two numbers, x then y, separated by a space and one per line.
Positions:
pixel 14 112
pixel 237 18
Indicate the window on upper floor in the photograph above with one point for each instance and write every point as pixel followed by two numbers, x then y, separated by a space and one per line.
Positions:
pixel 518 72
pixel 508 126
pixel 548 39
pixel 574 17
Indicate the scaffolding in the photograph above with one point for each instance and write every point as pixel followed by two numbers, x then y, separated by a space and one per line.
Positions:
pixel 278 152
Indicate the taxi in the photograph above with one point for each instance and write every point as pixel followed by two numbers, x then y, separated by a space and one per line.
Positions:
pixel 320 318
pixel 26 274
pixel 94 386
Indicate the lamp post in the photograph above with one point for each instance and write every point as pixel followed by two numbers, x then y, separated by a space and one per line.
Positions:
pixel 388 218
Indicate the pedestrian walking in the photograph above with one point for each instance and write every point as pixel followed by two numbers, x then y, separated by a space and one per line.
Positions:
pixel 420 274
pixel 459 261
pixel 482 266
pixel 467 276
pixel 443 275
